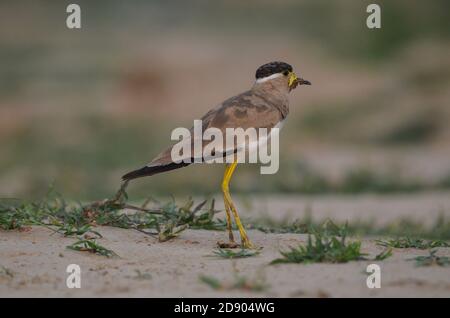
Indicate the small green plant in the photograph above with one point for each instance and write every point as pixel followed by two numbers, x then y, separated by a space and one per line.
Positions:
pixel 244 283
pixel 270 226
pixel 431 259
pixel 306 225
pixel 406 242
pixel 383 255
pixel 4 271
pixel 165 221
pixel 91 246
pixel 322 249
pixel 230 254
pixel 142 275
pixel 170 230
pixel 10 220
pixel 439 230
pixel 212 282
pixel 240 283
pixel 188 214
pixel 68 229
pixel 15 214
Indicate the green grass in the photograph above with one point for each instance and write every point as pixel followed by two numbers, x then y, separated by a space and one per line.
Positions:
pixel 68 229
pixel 238 283
pixel 439 230
pixel 142 275
pixel 407 242
pixel 256 283
pixel 91 246
pixel 164 221
pixel 383 255
pixel 431 260
pixel 212 282
pixel 322 249
pixel 14 214
pixel 326 241
pixel 305 225
pixel 4 271
pixel 230 254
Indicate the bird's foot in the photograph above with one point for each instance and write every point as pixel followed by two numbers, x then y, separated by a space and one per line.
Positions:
pixel 246 244
pixel 231 244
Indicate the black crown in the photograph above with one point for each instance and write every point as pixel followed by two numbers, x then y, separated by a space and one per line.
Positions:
pixel 272 68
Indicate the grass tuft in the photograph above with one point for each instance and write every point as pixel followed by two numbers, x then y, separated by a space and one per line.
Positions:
pixel 231 254
pixel 257 284
pixel 407 242
pixel 68 229
pixel 439 230
pixel 4 271
pixel 322 249
pixel 383 255
pixel 431 260
pixel 212 282
pixel 142 275
pixel 164 221
pixel 91 246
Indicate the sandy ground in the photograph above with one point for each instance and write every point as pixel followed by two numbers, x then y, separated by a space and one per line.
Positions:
pixel 38 260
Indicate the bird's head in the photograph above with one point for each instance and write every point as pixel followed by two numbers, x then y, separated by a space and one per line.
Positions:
pixel 279 73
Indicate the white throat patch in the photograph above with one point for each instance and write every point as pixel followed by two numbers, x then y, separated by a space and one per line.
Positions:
pixel 268 78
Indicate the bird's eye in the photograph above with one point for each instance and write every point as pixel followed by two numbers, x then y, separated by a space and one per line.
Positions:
pixel 285 73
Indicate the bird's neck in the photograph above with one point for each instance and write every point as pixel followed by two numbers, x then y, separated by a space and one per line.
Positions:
pixel 275 93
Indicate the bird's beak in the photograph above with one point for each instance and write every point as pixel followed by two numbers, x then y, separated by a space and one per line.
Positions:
pixel 294 81
pixel 302 81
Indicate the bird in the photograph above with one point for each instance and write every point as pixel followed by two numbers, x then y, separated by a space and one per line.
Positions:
pixel 264 105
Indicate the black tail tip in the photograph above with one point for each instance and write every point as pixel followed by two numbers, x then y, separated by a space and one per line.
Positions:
pixel 135 174
pixel 152 170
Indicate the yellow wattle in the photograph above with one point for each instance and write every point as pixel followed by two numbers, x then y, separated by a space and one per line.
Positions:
pixel 292 78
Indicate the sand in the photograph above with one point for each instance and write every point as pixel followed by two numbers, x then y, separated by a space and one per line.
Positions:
pixel 37 260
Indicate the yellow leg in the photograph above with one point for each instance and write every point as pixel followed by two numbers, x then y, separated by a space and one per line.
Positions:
pixel 227 210
pixel 228 202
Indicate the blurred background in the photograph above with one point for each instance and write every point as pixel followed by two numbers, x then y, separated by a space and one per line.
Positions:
pixel 79 108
